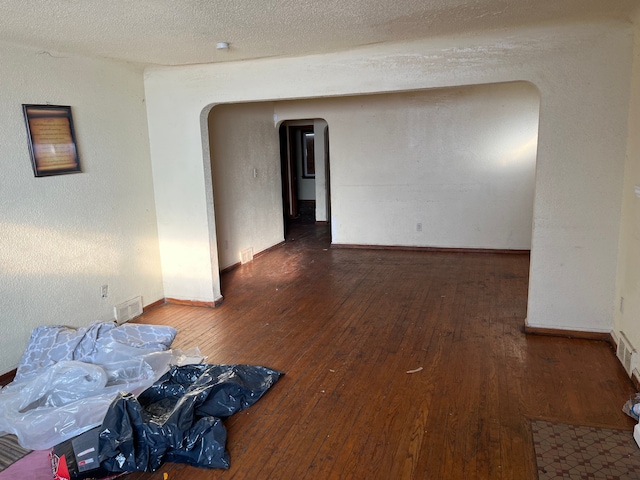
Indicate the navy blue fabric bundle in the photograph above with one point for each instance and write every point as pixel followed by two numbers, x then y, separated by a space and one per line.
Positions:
pixel 179 418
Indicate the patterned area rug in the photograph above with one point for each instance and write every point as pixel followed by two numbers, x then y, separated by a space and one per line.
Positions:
pixel 575 452
pixel 10 451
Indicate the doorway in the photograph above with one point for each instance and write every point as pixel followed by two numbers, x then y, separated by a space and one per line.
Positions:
pixel 304 157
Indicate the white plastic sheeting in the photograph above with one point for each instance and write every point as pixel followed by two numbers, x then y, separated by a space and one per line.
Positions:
pixel 63 396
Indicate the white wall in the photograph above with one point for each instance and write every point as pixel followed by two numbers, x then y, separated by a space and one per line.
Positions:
pixel 627 319
pixel 581 71
pixel 63 237
pixel 459 161
pixel 321 188
pixel 248 208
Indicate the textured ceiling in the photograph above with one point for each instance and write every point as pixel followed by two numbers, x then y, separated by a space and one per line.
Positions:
pixel 174 32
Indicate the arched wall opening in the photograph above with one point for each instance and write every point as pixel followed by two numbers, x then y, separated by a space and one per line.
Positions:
pixel 447 167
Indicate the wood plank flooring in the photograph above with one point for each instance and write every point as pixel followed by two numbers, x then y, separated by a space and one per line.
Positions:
pixel 347 325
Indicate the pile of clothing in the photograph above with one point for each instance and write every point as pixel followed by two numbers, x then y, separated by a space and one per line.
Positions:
pixel 130 393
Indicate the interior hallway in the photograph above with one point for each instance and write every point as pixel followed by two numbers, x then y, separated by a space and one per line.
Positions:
pixel 347 325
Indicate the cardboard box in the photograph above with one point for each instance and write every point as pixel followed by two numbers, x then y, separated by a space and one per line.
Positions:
pixel 77 459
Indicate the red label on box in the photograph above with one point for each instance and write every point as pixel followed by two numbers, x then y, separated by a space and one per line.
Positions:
pixel 59 467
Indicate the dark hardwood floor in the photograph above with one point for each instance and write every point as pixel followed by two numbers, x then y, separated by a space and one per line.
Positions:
pixel 347 327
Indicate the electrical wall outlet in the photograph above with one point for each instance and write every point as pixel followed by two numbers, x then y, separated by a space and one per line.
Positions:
pixel 418 227
pixel 104 291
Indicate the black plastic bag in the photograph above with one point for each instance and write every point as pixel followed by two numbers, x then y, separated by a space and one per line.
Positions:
pixel 179 418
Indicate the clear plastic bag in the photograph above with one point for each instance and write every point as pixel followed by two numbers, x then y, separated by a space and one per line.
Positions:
pixel 190 356
pixel 72 397
pixel 632 407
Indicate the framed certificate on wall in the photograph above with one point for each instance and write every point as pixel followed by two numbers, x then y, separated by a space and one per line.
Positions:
pixel 52 140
